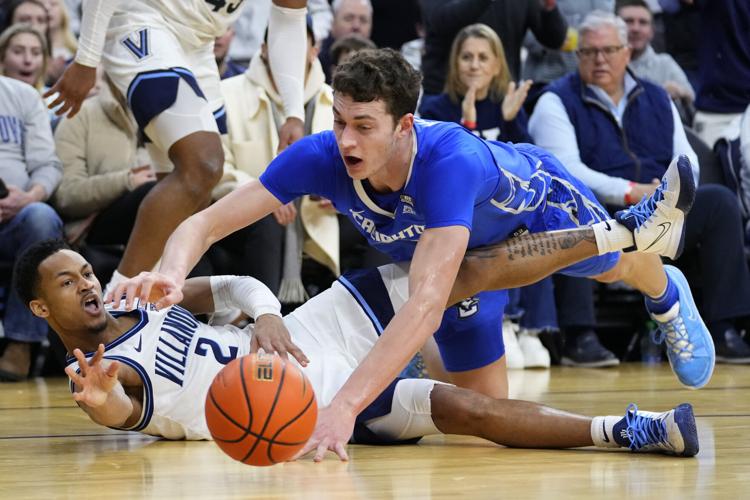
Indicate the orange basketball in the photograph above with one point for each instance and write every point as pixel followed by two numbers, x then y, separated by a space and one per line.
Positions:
pixel 260 409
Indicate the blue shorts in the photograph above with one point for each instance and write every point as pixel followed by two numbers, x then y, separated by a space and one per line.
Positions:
pixel 379 407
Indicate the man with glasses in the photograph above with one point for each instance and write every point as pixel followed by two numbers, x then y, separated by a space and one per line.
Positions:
pixel 617 134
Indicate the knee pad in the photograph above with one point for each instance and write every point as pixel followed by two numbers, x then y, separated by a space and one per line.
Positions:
pixel 411 412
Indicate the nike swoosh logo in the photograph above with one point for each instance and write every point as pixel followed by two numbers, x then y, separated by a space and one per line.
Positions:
pixel 606 225
pixel 665 226
pixel 140 343
pixel 604 429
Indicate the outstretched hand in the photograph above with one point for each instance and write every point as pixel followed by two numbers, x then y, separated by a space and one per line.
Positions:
pixel 271 335
pixel 95 381
pixel 71 89
pixel 332 432
pixel 148 287
pixel 514 99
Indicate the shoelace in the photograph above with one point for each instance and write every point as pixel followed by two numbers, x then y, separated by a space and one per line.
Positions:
pixel 642 210
pixel 643 431
pixel 675 334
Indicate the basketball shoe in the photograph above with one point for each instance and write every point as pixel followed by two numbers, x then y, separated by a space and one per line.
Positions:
pixel 690 348
pixel 672 432
pixel 513 354
pixel 535 355
pixel 658 221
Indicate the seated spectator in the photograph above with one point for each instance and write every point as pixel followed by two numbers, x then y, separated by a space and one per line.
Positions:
pixel 31 171
pixel 618 134
pixel 106 171
pixel 63 43
pixel 350 17
pixel 345 47
pixel 23 55
pixel 33 12
pixel 479 92
pixel 227 67
pixel 646 63
pixel 270 249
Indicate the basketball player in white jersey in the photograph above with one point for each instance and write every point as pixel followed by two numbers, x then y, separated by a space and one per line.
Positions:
pixel 150 371
pixel 159 54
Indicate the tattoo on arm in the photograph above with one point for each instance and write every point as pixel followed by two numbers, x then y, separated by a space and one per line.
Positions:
pixel 535 245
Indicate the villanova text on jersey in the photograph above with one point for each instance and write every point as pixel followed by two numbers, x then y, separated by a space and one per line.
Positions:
pixel 11 129
pixel 173 348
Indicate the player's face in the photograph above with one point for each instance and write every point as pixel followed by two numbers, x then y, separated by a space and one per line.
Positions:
pixel 24 58
pixel 603 58
pixel 640 29
pixel 33 14
pixel 477 64
pixel 70 296
pixel 366 135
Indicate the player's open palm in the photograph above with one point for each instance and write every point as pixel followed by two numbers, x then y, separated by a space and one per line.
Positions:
pixel 332 432
pixel 148 287
pixel 71 89
pixel 271 335
pixel 514 99
pixel 95 380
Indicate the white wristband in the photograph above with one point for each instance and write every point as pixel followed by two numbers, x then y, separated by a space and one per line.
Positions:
pixel 244 293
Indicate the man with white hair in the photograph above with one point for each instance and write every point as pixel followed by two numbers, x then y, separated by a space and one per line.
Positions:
pixel 350 17
pixel 617 134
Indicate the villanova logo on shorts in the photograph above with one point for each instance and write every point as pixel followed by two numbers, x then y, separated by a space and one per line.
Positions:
pixel 138 43
pixel 468 307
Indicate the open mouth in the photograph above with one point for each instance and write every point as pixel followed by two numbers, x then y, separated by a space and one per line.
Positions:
pixel 92 305
pixel 352 161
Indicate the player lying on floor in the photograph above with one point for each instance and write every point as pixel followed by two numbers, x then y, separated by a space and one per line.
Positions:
pixel 147 370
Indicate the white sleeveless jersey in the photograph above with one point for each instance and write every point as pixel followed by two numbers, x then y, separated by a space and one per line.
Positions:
pixel 177 357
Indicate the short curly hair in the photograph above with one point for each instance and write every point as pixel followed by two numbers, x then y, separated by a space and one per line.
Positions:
pixel 380 74
pixel 26 269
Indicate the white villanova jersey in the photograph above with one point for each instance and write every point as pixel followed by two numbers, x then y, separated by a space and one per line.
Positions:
pixel 177 356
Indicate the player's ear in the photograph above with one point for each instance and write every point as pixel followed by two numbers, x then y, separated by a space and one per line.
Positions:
pixel 405 124
pixel 39 308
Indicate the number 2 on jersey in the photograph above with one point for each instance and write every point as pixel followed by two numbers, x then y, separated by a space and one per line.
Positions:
pixel 220 4
pixel 200 350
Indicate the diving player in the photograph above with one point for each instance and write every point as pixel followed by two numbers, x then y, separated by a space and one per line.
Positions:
pixel 159 54
pixel 150 371
pixel 427 191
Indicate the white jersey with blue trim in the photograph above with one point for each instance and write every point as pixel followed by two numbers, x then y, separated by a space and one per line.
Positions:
pixel 177 356
pixel 195 21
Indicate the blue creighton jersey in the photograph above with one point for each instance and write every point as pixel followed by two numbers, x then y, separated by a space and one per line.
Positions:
pixel 455 179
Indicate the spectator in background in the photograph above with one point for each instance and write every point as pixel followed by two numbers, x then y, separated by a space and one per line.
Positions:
pixel 31 171
pixel 479 95
pixel 510 19
pixel 62 41
pixel 106 171
pixel 659 68
pixel 350 17
pixel 270 249
pixel 32 12
pixel 23 55
pixel 479 92
pixel 344 48
pixel 618 133
pixel 227 67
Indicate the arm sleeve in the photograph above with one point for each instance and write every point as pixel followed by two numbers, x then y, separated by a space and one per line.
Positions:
pixel 448 193
pixel 680 144
pixel 94 24
pixel 551 129
pixel 305 167
pixel 287 47
pixel 39 147
pixel 81 193
pixel 244 293
pixel 447 17
pixel 549 27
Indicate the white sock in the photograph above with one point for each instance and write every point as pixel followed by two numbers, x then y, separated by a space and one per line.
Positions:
pixel 602 431
pixel 611 236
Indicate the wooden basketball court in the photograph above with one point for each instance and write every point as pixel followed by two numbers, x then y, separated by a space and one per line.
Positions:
pixel 51 450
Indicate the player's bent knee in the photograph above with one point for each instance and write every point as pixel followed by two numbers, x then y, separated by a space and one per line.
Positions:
pixel 411 412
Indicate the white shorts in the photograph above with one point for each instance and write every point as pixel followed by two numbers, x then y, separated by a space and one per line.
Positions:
pixel 145 58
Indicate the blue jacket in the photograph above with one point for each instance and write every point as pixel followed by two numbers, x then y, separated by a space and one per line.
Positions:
pixel 641 149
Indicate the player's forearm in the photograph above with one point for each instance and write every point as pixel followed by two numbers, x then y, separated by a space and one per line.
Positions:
pixel 94 23
pixel 114 412
pixel 287 42
pixel 185 247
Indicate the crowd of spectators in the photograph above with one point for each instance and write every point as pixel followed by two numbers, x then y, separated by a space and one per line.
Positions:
pixel 613 88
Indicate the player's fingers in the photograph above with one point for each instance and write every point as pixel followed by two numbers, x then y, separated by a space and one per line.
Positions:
pixel 98 355
pixel 75 109
pixel 116 294
pixel 58 100
pixel 320 452
pixel 82 364
pixel 254 344
pixel 340 450
pixel 64 109
pixel 173 297
pixel 73 375
pixel 298 354
pixel 146 286
pixel 52 90
pixel 112 369
pixel 309 446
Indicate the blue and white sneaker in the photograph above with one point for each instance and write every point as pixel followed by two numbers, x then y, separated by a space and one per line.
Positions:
pixel 672 432
pixel 690 348
pixel 658 221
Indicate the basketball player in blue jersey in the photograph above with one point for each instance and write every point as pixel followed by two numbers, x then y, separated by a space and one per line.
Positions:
pixel 159 55
pixel 427 191
pixel 150 371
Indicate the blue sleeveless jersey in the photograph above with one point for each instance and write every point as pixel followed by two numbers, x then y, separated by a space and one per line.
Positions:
pixel 456 179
